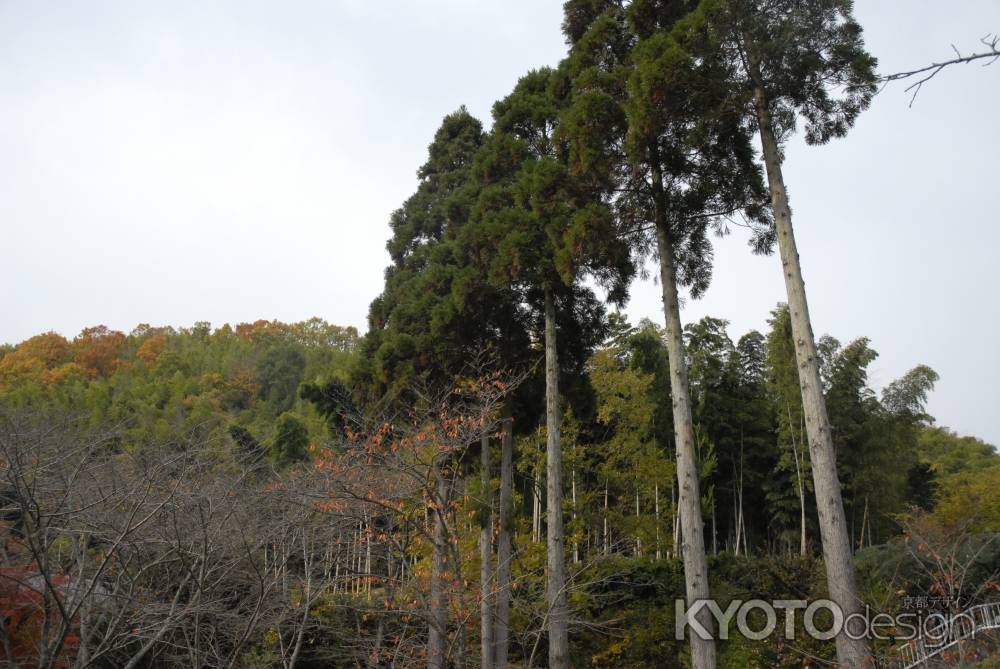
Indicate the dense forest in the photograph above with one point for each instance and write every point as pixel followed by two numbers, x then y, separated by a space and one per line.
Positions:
pixel 503 471
pixel 257 489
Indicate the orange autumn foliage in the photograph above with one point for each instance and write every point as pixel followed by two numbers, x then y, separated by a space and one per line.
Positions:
pixel 99 349
pixel 32 357
pixel 50 348
pixel 152 348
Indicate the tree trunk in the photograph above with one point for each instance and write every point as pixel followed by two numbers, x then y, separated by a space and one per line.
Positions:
pixel 556 582
pixel 503 544
pixel 638 536
pixel 368 557
pixel 437 638
pixel 486 562
pixel 803 544
pixel 307 595
pixel 864 522
pixel 576 544
pixel 675 519
pixel 739 523
pixel 692 527
pixel 829 504
pixel 799 482
pixel 536 511
pixel 656 510
pixel 715 531
pixel 607 535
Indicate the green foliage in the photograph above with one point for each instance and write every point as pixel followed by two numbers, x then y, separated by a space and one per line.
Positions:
pixel 278 374
pixel 628 461
pixel 793 468
pixel 333 402
pixel 437 313
pixel 662 139
pixel 633 603
pixel 291 441
pixel 164 384
pixel 907 396
pixel 932 558
pixel 247 445
pixel 548 226
pixel 811 59
pixel 949 453
pixel 971 498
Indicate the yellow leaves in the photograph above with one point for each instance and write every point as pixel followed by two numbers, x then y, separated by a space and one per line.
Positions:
pixel 32 358
pixel 64 374
pixel 15 369
pixel 49 348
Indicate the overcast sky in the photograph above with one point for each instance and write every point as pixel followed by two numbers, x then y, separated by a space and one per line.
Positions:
pixel 181 161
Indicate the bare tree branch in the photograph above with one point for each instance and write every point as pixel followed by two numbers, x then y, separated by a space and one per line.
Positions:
pixel 990 41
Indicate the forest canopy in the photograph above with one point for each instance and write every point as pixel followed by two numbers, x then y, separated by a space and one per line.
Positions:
pixel 270 398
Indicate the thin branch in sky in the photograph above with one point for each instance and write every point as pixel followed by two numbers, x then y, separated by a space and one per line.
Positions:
pixel 991 41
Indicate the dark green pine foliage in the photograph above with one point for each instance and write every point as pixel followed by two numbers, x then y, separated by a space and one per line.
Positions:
pixel 537 224
pixel 436 314
pixel 334 402
pixel 291 441
pixel 649 97
pixel 549 226
pixel 811 59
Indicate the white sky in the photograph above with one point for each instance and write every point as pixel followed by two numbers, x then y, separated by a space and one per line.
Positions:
pixel 183 161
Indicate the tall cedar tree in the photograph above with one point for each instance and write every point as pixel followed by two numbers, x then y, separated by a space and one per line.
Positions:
pixel 650 111
pixel 803 58
pixel 435 315
pixel 542 231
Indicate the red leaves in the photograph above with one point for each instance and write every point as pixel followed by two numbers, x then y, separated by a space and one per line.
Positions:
pixel 23 617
